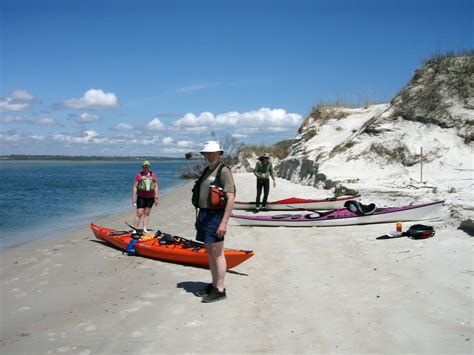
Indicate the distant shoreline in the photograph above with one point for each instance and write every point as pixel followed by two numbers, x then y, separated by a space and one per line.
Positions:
pixel 85 158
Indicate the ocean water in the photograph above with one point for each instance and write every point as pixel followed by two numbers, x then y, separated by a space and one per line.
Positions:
pixel 44 199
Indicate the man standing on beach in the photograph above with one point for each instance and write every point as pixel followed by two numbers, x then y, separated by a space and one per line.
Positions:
pixel 263 171
pixel 216 201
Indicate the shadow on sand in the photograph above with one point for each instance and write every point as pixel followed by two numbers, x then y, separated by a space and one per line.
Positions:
pixel 191 286
pixel 194 286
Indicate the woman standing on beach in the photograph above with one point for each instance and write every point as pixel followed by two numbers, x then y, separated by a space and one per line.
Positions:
pixel 145 193
pixel 263 171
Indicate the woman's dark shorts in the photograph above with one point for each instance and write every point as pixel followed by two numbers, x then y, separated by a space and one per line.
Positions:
pixel 145 202
pixel 206 225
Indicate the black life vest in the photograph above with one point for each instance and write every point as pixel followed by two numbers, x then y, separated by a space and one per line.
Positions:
pixel 215 188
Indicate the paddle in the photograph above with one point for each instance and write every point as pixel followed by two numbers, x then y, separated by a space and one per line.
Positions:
pixel 186 243
pixel 181 240
pixel 391 235
pixel 137 230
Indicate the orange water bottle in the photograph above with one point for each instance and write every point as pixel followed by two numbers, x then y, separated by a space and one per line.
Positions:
pixel 399 227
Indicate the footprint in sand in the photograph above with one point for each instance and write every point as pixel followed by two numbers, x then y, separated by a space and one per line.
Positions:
pixel 136 306
pixel 182 292
pixel 150 295
pixel 163 294
pixel 64 349
pixel 194 323
pixel 144 267
pixel 136 334
pixel 27 261
pixel 88 326
pixel 177 310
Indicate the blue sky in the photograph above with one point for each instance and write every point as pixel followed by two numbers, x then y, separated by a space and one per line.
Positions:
pixel 157 77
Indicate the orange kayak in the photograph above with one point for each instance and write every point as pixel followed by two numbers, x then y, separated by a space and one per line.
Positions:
pixel 182 251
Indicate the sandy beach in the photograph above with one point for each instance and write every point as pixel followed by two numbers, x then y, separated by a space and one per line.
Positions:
pixel 306 290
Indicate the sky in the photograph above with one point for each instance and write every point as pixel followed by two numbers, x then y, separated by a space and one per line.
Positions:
pixel 160 78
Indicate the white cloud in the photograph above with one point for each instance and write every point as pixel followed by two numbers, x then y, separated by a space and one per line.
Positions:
pixel 191 120
pixel 13 119
pixel 8 104
pixel 22 95
pixel 196 130
pixel 168 140
pixel 87 117
pixel 274 129
pixel 93 98
pixel 47 121
pixel 173 150
pixel 264 119
pixel 238 135
pixel 155 125
pixel 123 126
pixel 25 138
pixel 18 100
pixel 144 140
pixel 10 137
pixel 183 143
pixel 88 136
pixel 122 141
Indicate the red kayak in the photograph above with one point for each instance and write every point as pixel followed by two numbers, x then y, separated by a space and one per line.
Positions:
pixel 295 203
pixel 182 251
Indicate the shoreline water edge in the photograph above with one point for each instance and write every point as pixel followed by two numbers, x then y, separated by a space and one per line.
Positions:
pixel 306 290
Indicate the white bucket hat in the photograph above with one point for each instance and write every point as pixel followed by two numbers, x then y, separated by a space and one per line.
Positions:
pixel 212 146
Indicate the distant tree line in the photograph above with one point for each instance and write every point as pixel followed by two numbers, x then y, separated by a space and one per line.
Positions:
pixel 84 157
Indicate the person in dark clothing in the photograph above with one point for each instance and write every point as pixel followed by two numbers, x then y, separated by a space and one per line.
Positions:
pixel 263 171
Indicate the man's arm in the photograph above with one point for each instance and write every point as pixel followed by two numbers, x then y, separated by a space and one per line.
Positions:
pixel 272 174
pixel 256 171
pixel 222 230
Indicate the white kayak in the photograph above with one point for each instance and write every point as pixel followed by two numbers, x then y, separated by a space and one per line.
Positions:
pixel 340 217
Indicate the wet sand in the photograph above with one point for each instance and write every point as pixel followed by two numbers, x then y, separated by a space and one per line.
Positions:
pixel 306 290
